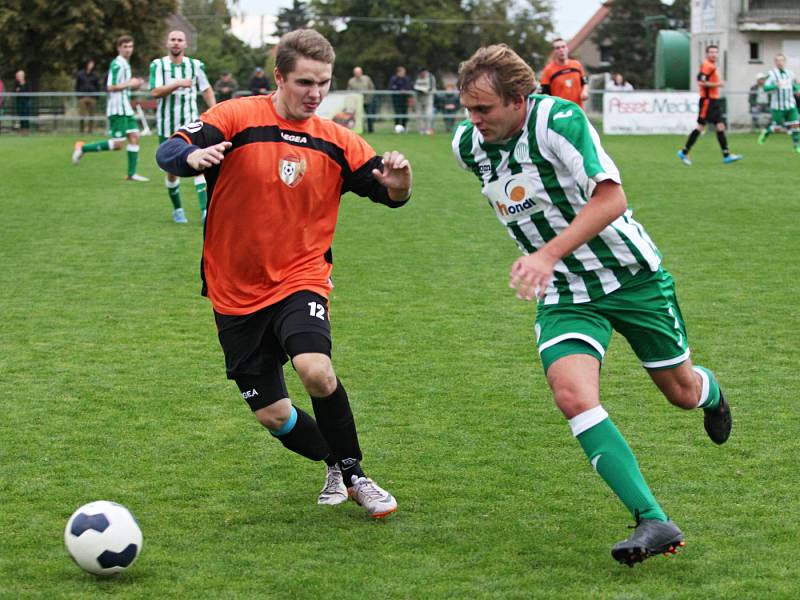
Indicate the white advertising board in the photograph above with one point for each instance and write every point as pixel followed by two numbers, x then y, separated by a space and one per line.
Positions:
pixel 649 112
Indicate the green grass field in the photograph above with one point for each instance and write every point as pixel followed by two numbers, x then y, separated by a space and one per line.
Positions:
pixel 112 386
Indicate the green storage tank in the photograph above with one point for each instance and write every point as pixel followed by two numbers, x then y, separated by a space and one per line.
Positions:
pixel 673 60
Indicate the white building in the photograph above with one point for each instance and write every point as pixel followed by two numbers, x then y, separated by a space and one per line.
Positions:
pixel 749 34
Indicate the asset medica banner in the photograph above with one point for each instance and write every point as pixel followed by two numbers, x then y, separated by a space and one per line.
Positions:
pixel 649 112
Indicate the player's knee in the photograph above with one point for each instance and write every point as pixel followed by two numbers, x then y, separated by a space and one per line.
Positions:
pixel 572 399
pixel 317 376
pixel 274 416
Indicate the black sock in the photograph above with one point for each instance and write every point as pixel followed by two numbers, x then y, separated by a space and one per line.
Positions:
pixel 306 439
pixel 723 143
pixel 336 422
pixel 690 142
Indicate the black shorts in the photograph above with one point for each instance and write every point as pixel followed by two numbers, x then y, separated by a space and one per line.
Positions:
pixel 257 345
pixel 710 111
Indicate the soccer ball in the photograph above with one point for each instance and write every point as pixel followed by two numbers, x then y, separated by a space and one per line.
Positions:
pixel 103 537
pixel 399 128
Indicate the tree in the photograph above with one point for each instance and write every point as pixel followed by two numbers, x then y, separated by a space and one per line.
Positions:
pixel 48 39
pixel 217 47
pixel 381 34
pixel 296 17
pixel 632 27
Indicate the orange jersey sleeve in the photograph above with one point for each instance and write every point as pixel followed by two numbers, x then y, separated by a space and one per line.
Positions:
pixel 708 73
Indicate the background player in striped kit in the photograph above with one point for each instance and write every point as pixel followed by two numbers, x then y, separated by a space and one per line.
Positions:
pixel 782 86
pixel 121 120
pixel 592 267
pixel 175 80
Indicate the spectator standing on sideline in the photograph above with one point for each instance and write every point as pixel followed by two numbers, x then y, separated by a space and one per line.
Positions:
pixel 86 80
pixel 617 83
pixel 564 77
pixel 282 191
pixel 425 87
pixel 360 82
pixel 449 103
pixel 260 83
pixel 2 100
pixel 400 83
pixel 225 87
pixel 23 104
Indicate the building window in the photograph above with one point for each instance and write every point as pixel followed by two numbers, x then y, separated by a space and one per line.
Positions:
pixel 605 55
pixel 755 52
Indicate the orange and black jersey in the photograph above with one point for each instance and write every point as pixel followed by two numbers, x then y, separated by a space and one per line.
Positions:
pixel 565 81
pixel 273 201
pixel 708 73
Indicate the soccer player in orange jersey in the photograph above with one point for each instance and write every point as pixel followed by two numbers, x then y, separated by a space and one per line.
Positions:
pixel 710 111
pixel 276 173
pixel 564 77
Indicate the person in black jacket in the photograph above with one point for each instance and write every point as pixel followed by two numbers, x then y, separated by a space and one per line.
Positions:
pixel 260 83
pixel 87 81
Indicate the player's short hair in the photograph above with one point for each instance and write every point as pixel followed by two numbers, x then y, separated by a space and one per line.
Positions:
pixel 305 43
pixel 780 54
pixel 123 39
pixel 553 42
pixel 509 75
pixel 710 46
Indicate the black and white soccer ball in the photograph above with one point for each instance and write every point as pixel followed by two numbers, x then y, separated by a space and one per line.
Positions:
pixel 103 537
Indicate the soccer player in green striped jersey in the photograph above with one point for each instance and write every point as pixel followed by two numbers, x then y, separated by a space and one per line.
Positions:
pixel 175 80
pixel 590 265
pixel 121 120
pixel 782 86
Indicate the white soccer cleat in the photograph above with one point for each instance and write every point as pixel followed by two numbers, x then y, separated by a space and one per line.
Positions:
pixel 334 491
pixel 378 502
pixel 137 177
pixel 77 153
pixel 179 216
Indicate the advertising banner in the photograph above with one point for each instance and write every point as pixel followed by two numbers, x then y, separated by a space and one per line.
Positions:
pixel 345 108
pixel 649 112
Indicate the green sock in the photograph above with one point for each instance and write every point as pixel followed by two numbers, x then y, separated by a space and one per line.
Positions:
pixel 174 191
pixel 133 158
pixel 766 133
pixel 97 146
pixel 796 137
pixel 709 395
pixel 202 195
pixel 614 461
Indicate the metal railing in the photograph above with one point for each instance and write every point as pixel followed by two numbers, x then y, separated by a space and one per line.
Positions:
pixel 58 112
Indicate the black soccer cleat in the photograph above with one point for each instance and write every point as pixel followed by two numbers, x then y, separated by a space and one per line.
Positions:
pixel 649 537
pixel 718 421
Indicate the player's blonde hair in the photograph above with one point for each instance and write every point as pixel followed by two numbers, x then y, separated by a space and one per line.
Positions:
pixel 305 43
pixel 509 75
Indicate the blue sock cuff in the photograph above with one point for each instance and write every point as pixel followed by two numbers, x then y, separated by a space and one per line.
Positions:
pixel 288 426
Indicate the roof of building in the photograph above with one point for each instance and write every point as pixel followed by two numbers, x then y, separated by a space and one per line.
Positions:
pixel 586 31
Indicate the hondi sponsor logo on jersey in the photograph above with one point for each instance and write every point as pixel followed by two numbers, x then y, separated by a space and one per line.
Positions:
pixel 512 198
pixel 291 169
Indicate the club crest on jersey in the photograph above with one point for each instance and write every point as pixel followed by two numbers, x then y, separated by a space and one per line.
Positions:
pixel 291 169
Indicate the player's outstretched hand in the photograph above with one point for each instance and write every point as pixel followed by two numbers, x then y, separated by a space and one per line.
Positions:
pixel 531 274
pixel 207 157
pixel 396 175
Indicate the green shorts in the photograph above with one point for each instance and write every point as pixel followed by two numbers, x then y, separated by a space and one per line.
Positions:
pixel 121 125
pixel 785 117
pixel 645 310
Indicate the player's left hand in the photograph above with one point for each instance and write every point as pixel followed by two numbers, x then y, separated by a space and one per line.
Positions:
pixel 396 175
pixel 531 274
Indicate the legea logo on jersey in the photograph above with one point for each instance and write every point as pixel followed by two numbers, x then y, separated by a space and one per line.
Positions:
pixel 291 169
pixel 512 197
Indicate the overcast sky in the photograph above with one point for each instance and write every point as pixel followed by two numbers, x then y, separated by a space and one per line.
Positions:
pixel 568 16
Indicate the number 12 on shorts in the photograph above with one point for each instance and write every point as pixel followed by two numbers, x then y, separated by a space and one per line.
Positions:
pixel 317 310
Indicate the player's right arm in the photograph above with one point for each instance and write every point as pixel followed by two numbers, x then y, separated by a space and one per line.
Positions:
pixel 114 85
pixel 704 76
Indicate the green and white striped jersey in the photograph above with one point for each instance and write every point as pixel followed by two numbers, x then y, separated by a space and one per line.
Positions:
pixel 781 86
pixel 119 103
pixel 539 180
pixel 180 107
